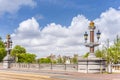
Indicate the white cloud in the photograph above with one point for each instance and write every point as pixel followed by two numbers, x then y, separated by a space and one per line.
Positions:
pixel 109 23
pixel 58 39
pixel 11 6
pixel 38 16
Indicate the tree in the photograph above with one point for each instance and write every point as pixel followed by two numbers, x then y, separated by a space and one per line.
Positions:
pixel 111 54
pixel 75 59
pixel 26 58
pixel 2 53
pixel 64 59
pixel 115 51
pixel 18 50
pixel 99 53
pixel 59 59
pixel 2 50
pixel 86 55
pixel 20 55
pixel 44 60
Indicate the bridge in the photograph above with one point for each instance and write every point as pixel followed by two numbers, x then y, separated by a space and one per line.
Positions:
pixel 20 71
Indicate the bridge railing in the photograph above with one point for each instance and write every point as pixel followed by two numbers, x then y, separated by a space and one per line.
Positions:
pixel 116 68
pixel 66 67
pixel 62 67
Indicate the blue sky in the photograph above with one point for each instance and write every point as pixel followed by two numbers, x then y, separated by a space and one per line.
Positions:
pixel 58 11
pixel 55 19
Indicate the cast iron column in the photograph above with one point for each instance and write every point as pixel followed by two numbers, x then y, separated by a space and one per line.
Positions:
pixel 92 40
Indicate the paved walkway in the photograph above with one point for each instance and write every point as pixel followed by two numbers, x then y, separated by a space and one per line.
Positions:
pixel 53 75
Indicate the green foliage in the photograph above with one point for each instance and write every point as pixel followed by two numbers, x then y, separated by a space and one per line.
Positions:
pixel 75 59
pixel 99 53
pixel 2 50
pixel 112 53
pixel 17 50
pixel 26 58
pixel 20 55
pixel 2 44
pixel 86 55
pixel 59 60
pixel 44 60
pixel 2 53
pixel 64 59
pixel 115 51
pixel 54 61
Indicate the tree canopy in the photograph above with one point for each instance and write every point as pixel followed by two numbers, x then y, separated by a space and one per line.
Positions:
pixel 26 58
pixel 18 50
pixel 2 50
pixel 20 55
pixel 110 53
pixel 44 60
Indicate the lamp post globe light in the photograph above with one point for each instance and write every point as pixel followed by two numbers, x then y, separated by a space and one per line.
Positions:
pixel 91 64
pixel 86 37
pixel 98 35
pixel 8 59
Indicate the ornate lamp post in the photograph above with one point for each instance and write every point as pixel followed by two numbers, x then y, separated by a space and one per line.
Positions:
pixel 91 64
pixel 8 44
pixel 91 44
pixel 8 59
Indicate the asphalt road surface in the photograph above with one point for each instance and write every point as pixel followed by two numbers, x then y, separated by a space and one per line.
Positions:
pixel 10 75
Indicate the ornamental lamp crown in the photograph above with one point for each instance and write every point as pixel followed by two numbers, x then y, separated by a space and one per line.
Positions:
pixel 91 25
pixel 8 36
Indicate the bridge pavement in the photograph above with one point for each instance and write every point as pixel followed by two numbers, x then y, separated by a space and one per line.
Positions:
pixel 12 74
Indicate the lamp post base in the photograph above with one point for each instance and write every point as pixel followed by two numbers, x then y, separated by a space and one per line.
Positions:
pixel 91 65
pixel 91 55
pixel 7 61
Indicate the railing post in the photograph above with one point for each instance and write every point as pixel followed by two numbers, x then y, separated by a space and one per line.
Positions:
pixel 19 65
pixel 65 66
pixel 77 66
pixel 51 66
pixel 28 65
pixel 39 65
pixel 87 66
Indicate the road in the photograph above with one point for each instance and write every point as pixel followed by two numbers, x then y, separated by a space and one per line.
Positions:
pixel 11 75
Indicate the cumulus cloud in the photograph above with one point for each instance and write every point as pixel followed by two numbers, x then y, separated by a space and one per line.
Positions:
pixel 66 40
pixel 38 16
pixel 109 23
pixel 11 6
